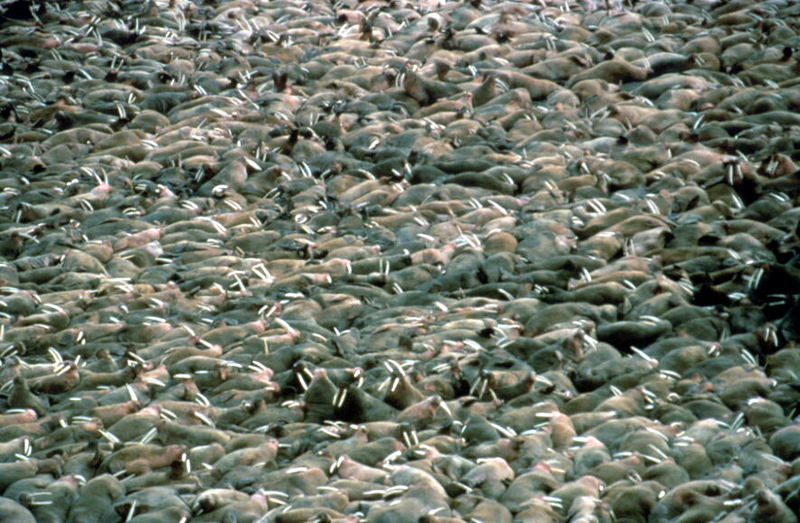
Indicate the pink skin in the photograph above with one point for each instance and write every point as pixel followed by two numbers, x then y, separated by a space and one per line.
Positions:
pixel 165 192
pixel 137 240
pixel 102 189
pixel 154 410
pixel 260 326
pixel 23 417
pixel 264 376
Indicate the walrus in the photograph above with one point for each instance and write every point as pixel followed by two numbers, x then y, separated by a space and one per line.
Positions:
pixel 578 265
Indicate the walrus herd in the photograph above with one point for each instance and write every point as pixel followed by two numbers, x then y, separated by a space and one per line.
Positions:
pixel 399 260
